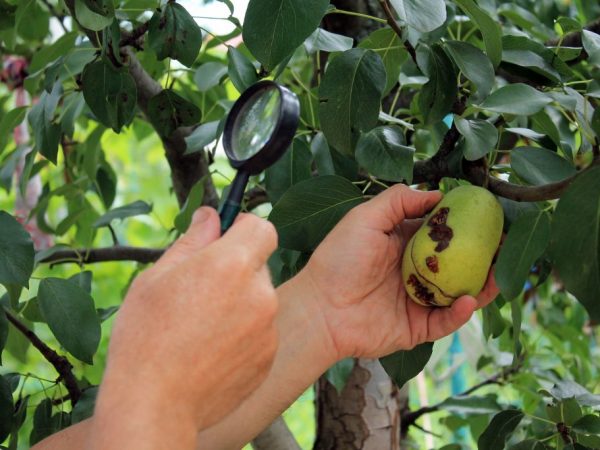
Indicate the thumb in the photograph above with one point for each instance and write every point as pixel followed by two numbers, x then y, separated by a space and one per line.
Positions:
pixel 204 230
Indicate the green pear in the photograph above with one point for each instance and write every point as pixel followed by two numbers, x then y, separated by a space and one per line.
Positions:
pixel 451 254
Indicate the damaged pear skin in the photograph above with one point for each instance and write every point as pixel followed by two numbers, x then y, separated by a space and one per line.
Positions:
pixel 451 254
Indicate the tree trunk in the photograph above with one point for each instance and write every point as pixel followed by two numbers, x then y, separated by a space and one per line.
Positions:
pixel 364 416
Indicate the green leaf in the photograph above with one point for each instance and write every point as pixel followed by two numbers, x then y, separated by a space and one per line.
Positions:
pixel 532 61
pixel 293 167
pixel 32 22
pixel 350 97
pixel 6 408
pixel 339 373
pixel 569 389
pixel 516 315
pixel 50 53
pixel 273 29
pixel 9 122
pixel 84 409
pixel 168 111
pixel 3 332
pixel 383 153
pixel 474 65
pixel 103 7
pixel 539 166
pixel 173 33
pixel 16 252
pixel 490 29
pixel 43 425
pixel 241 71
pixel 471 404
pixel 322 155
pixel 500 428
pixel 403 366
pixel 45 132
pixel 32 312
pixel 192 203
pixel 69 312
pixel 493 322
pixel 310 209
pixel 526 241
pixel 591 43
pixel 519 99
pixel 595 124
pixel 133 209
pixel 386 43
pixel 440 92
pixel 327 41
pixel 588 424
pixel 481 137
pixel 529 444
pixel 90 19
pixel 422 15
pixel 83 279
pixel 110 93
pixel 209 75
pixel 575 247
pixel 201 137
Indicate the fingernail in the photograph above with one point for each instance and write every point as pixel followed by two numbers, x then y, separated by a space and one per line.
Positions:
pixel 201 215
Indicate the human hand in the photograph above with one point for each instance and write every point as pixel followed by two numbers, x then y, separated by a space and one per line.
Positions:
pixel 356 281
pixel 196 331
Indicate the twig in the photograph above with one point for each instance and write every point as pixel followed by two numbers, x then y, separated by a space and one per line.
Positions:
pixel 99 255
pixel 410 417
pixel 60 363
pixel 520 193
pixel 133 37
pixel 256 197
pixel 385 4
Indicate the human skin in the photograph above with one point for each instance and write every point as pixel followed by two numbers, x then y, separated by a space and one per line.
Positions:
pixel 348 301
pixel 195 331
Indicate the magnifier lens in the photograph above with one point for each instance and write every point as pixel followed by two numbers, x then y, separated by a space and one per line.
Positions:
pixel 255 124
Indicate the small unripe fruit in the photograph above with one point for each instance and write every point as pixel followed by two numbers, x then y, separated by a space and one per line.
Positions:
pixel 451 254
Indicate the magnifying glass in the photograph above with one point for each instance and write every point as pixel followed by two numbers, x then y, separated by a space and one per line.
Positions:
pixel 258 131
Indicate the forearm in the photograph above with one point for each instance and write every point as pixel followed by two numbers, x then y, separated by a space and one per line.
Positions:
pixel 139 416
pixel 304 354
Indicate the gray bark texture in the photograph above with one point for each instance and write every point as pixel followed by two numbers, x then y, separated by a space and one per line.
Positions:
pixel 364 416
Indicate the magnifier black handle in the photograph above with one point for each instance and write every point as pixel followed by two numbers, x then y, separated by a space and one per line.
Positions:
pixel 233 204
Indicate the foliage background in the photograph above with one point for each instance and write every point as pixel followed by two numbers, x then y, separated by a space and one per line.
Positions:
pixel 534 346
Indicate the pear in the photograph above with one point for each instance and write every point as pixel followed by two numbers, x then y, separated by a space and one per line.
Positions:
pixel 451 254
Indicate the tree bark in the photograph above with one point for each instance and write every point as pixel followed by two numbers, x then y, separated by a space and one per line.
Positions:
pixel 364 416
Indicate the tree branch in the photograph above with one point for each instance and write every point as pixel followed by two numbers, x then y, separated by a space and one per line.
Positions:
pixel 60 363
pixel 256 197
pixel 99 255
pixel 410 417
pixel 133 37
pixel 519 193
pixel 391 20
pixel 186 171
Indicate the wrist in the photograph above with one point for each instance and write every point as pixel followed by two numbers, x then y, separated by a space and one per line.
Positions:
pixel 302 298
pixel 141 415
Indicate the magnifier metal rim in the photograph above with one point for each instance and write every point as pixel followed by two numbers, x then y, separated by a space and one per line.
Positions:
pixel 281 137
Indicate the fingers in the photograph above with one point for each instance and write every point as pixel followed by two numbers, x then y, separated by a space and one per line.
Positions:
pixel 396 204
pixel 204 230
pixel 444 321
pixel 490 291
pixel 254 235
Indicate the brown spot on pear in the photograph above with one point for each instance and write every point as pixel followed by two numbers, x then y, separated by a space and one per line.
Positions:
pixel 451 254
